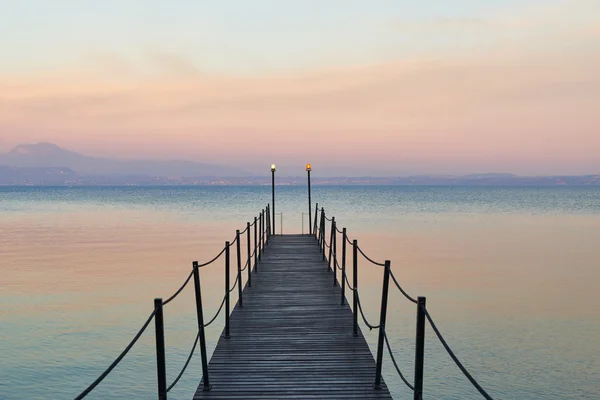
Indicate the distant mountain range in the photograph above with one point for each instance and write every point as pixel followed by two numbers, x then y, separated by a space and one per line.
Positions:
pixel 49 164
pixel 48 155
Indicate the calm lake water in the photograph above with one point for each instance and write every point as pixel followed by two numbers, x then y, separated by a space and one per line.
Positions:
pixel 511 275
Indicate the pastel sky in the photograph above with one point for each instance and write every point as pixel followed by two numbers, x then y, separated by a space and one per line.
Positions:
pixel 354 87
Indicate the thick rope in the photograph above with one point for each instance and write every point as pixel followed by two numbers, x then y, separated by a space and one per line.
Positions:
pixel 402 290
pixel 213 260
pixel 236 282
pixel 328 219
pixel 118 359
pixel 411 387
pixel 365 256
pixel 338 231
pixel 216 315
pixel 186 364
pixel 456 361
pixel 371 327
pixel 179 290
pixel 348 285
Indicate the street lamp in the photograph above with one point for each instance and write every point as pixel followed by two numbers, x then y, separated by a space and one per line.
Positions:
pixel 273 193
pixel 308 168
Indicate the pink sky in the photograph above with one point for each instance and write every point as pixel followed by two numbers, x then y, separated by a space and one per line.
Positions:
pixel 525 107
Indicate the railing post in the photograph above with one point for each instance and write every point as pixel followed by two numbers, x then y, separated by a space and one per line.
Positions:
pixel 199 312
pixel 420 348
pixel 227 289
pixel 255 245
pixel 249 266
pixel 331 244
pixel 161 368
pixel 260 235
pixel 382 315
pixel 323 233
pixel 268 219
pixel 334 246
pixel 343 267
pixel 314 229
pixel 355 284
pixel 239 267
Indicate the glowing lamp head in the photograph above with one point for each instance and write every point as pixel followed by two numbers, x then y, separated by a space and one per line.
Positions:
pixel 273 167
pixel 308 167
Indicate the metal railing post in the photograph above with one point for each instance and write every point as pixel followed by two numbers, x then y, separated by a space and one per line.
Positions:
pixel 161 368
pixel 420 348
pixel 227 289
pixel 314 229
pixel 343 267
pixel 199 312
pixel 255 245
pixel 334 246
pixel 249 266
pixel 331 243
pixel 355 284
pixel 260 231
pixel 239 267
pixel 382 316
pixel 323 233
pixel 268 219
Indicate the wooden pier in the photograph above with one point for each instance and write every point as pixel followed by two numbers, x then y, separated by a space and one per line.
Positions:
pixel 292 339
pixel 292 334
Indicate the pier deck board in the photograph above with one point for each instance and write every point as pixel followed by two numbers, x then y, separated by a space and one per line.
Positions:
pixel 292 339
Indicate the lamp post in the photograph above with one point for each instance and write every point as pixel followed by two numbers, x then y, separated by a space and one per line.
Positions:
pixel 273 193
pixel 308 168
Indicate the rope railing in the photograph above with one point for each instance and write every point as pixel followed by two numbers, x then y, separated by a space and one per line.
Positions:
pixel 411 387
pixel 402 290
pixel 179 290
pixel 369 259
pixel 454 358
pixel 157 314
pixel 185 365
pixel 422 313
pixel 371 327
pixel 118 359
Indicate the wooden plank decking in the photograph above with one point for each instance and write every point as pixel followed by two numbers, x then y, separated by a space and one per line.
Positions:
pixel 292 339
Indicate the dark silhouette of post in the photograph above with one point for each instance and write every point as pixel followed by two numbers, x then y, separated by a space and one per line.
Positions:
pixel 199 312
pixel 255 244
pixel 239 267
pixel 273 193
pixel 420 348
pixel 382 316
pixel 308 169
pixel 343 266
pixel 315 226
pixel 227 289
pixel 249 266
pixel 161 368
pixel 355 284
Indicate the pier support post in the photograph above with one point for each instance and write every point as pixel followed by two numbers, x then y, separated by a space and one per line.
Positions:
pixel 323 232
pixel 227 290
pixel 343 267
pixel 355 284
pixel 420 348
pixel 249 266
pixel 331 243
pixel 161 368
pixel 255 245
pixel 382 316
pixel 314 229
pixel 205 381
pixel 334 247
pixel 239 267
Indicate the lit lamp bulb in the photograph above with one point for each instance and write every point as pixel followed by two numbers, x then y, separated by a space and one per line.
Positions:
pixel 273 167
pixel 308 167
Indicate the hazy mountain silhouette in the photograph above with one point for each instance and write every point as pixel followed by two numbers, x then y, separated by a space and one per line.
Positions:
pixel 48 155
